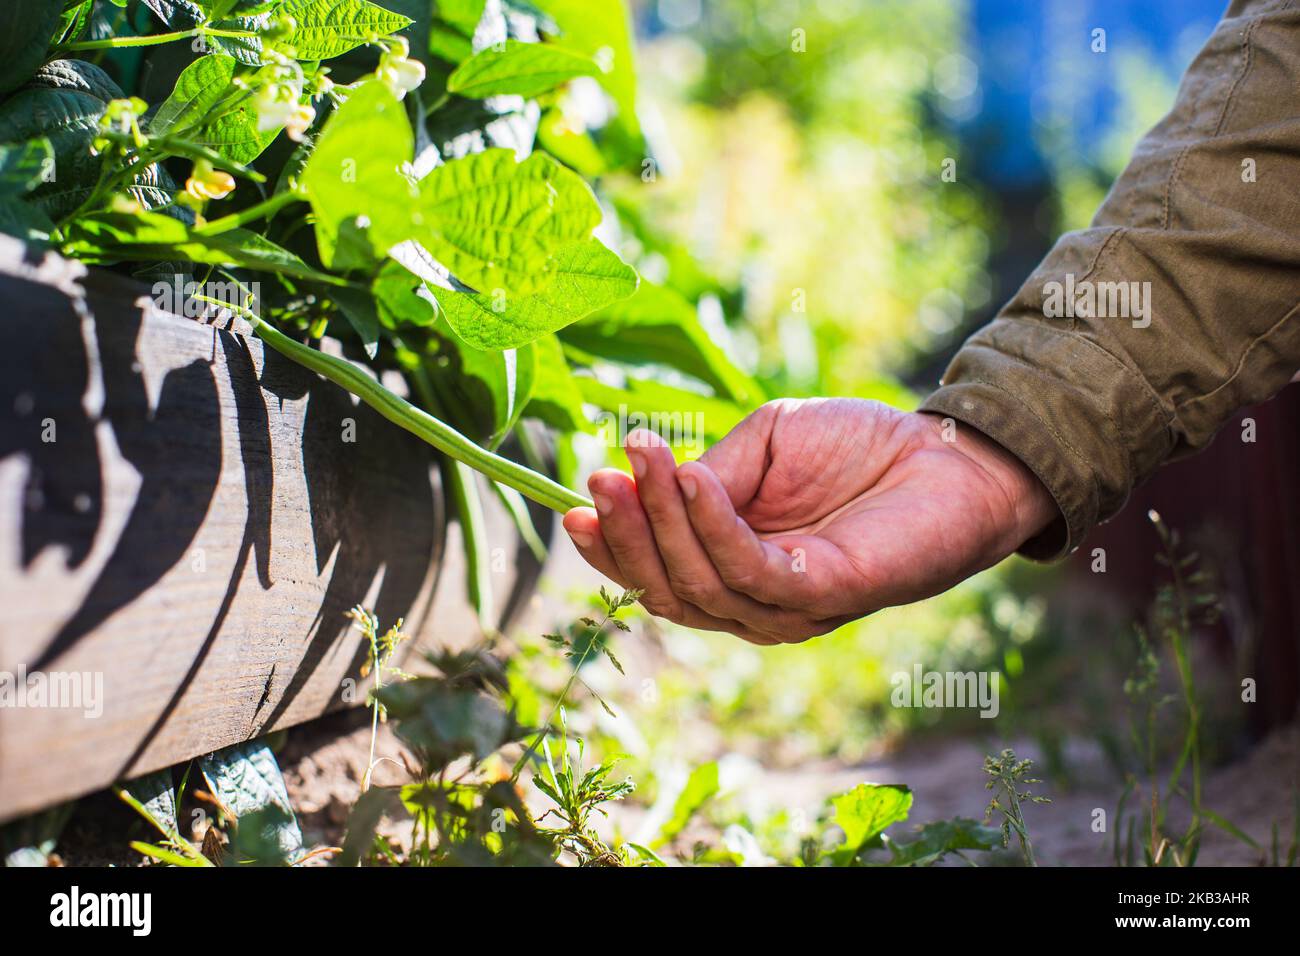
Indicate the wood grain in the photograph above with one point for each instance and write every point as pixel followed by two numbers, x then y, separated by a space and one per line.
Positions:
pixel 185 518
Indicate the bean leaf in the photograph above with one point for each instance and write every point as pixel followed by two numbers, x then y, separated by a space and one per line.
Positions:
pixel 587 277
pixel 25 31
pixel 203 87
pixel 497 224
pixel 355 171
pixel 525 69
pixel 22 166
pixel 321 29
pixel 151 237
pixel 658 326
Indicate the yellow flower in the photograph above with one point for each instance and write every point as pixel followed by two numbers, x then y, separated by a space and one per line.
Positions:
pixel 210 184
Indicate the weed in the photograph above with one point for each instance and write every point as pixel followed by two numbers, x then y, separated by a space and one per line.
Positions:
pixel 465 807
pixel 1009 779
pixel 1187 600
pixel 379 653
pixel 576 798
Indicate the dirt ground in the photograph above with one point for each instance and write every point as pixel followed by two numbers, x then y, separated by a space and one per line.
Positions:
pixel 324 762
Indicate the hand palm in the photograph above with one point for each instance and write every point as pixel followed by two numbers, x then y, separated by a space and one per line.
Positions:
pixel 806 515
pixel 863 488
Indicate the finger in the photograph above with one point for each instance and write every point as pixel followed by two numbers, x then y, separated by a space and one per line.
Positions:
pixel 626 531
pixel 583 527
pixel 799 574
pixel 690 571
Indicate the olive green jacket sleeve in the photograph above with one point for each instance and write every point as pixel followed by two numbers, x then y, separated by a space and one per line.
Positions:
pixel 1137 338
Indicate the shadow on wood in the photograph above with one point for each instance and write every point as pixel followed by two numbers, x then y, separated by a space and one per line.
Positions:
pixel 184 520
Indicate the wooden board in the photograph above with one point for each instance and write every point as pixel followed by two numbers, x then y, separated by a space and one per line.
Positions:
pixel 185 518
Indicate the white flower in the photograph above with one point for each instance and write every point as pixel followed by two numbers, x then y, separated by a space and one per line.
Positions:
pixel 397 71
pixel 275 105
pixel 302 117
pixel 409 74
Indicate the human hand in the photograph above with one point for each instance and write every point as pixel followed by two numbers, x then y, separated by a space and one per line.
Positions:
pixel 807 515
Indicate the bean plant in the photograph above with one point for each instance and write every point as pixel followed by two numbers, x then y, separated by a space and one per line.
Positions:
pixel 374 188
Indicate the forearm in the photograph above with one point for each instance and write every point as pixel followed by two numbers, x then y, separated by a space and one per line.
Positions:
pixel 1137 338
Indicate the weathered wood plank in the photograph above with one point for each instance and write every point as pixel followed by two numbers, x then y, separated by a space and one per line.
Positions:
pixel 184 520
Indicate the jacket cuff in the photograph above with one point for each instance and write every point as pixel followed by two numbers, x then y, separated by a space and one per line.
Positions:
pixel 1087 425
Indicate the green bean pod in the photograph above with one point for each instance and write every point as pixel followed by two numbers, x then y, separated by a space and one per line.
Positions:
pixel 420 423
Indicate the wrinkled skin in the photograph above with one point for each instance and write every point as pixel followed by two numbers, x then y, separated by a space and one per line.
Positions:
pixel 807 515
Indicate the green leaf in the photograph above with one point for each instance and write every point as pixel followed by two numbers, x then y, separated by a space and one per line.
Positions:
pixel 451 34
pixel 363 820
pixel 701 786
pixel 69 120
pixel 587 277
pixel 603 28
pixel 63 104
pixel 203 86
pixel 157 800
pixel 154 237
pixel 506 377
pixel 225 8
pixel 398 298
pixel 72 21
pixel 680 416
pixel 355 171
pixel 525 69
pixel 556 398
pixel 359 308
pixel 178 14
pixel 77 75
pixel 26 29
pixel 657 326
pixel 647 855
pixel 936 840
pixel 23 166
pixel 322 29
pixel 497 224
pixel 866 811
pixel 170 857
pixel 24 221
pixel 247 782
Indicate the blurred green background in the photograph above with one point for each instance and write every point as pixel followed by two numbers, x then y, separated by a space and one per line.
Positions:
pixel 848 189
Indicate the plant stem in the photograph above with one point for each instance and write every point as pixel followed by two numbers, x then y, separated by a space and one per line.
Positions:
pixel 122 43
pixel 372 633
pixel 420 423
pixel 267 208
pixel 1178 635
pixel 541 734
